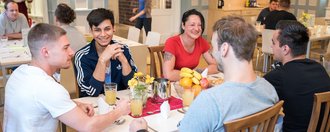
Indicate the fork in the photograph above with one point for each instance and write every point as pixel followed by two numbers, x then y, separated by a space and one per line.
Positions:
pixel 120 121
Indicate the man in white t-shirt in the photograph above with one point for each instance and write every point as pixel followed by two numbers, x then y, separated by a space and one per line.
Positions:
pixel 34 101
pixel 12 22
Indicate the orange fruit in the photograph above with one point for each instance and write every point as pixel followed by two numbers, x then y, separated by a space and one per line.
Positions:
pixel 198 89
pixel 186 82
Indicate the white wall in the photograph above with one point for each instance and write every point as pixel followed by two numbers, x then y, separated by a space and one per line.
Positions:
pixel 166 21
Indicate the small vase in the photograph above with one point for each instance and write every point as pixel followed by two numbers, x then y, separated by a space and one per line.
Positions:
pixel 143 94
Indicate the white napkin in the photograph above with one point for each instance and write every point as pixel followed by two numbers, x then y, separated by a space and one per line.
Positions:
pixel 103 106
pixel 204 73
pixel 165 110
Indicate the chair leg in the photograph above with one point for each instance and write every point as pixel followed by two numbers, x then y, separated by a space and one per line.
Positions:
pixel 257 59
pixel 265 65
pixel 322 60
pixel 63 127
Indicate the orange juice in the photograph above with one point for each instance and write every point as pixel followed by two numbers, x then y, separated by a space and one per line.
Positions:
pixel 110 97
pixel 136 107
pixel 187 97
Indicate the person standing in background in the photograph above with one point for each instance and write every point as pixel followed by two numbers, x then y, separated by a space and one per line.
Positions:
pixel 22 8
pixel 144 15
pixel 64 15
pixel 273 4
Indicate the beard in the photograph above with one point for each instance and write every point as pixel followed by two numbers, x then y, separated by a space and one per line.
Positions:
pixel 217 56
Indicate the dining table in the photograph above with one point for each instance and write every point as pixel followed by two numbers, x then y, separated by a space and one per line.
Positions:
pixel 12 54
pixel 156 122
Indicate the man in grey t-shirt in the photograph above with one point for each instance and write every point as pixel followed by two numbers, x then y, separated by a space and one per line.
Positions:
pixel 242 93
pixel 12 22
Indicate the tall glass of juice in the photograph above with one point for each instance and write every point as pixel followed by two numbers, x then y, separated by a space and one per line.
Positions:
pixel 110 90
pixel 136 105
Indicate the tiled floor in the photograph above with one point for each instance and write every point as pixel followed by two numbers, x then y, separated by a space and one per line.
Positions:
pixel 122 30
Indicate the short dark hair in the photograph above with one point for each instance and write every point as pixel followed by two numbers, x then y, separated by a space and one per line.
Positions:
pixel 189 13
pixel 97 16
pixel 241 35
pixel 270 1
pixel 65 14
pixel 284 3
pixel 7 2
pixel 43 34
pixel 294 34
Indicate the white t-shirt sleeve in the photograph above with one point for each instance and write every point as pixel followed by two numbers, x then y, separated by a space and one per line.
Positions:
pixel 55 99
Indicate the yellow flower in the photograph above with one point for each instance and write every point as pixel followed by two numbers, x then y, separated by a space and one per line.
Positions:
pixel 132 83
pixel 304 19
pixel 138 74
pixel 149 79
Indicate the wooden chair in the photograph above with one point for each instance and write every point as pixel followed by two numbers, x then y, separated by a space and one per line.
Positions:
pixel 267 35
pixel 156 60
pixel 153 39
pixel 321 52
pixel 319 99
pixel 261 121
pixel 69 81
pixel 133 34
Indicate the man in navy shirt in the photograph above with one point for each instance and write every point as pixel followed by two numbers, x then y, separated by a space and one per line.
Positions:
pixel 103 60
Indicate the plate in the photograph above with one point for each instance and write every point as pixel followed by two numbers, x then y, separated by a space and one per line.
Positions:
pixel 214 82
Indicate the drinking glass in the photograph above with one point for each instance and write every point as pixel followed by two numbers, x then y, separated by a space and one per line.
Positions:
pixel 110 90
pixel 4 38
pixel 258 25
pixel 25 32
pixel 136 105
pixel 187 97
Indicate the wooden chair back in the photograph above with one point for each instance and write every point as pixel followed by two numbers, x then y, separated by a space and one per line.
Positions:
pixel 319 100
pixel 267 35
pixel 153 39
pixel 263 121
pixel 68 81
pixel 133 34
pixel 156 60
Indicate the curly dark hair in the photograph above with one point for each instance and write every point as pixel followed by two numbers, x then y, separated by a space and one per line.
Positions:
pixel 64 13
